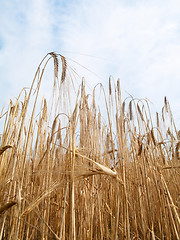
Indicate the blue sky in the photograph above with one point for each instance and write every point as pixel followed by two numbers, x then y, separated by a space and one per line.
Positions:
pixel 137 41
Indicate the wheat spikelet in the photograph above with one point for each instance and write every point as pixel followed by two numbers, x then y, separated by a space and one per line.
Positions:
pixel 177 150
pixel 123 107
pixel 130 110
pixel 153 137
pixel 163 118
pixel 110 89
pixel 166 103
pixel 56 63
pixel 54 125
pixel 64 68
pixel 140 112
pixel 101 168
pixel 157 119
pixel 140 149
pixel 118 87
pixel 44 114
pixel 178 135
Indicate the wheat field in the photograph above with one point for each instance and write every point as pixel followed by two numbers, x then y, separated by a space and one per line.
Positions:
pixel 70 169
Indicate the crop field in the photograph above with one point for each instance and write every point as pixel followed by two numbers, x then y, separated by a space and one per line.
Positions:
pixel 76 167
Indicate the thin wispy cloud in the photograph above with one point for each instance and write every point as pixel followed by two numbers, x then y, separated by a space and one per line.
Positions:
pixel 136 41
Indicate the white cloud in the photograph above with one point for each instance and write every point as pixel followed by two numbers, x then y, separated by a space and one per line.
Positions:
pixel 140 41
pixel 135 40
pixel 26 33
